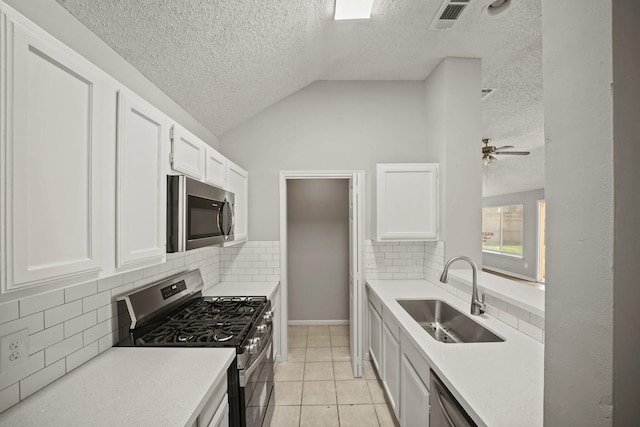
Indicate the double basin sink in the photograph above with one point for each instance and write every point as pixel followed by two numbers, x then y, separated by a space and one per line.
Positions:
pixel 445 323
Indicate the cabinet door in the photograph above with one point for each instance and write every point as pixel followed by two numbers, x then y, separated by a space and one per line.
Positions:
pixel 414 397
pixel 277 318
pixel 375 338
pixel 187 153
pixel 238 184
pixel 221 418
pixel 407 202
pixel 142 182
pixel 391 368
pixel 51 99
pixel 215 168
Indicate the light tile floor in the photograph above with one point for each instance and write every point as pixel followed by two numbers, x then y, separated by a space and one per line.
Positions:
pixel 316 387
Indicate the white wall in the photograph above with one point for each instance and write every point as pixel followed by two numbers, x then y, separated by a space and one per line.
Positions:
pixel 328 125
pixel 626 154
pixel 318 249
pixel 58 22
pixel 453 117
pixel 578 72
pixel 530 234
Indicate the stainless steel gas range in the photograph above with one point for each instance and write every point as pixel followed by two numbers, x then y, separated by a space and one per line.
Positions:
pixel 173 313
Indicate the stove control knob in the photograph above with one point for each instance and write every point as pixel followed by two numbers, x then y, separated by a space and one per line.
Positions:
pixel 250 348
pixel 262 329
pixel 268 316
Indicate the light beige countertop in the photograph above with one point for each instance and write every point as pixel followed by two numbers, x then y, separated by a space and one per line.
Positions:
pixel 498 384
pixel 240 289
pixel 127 386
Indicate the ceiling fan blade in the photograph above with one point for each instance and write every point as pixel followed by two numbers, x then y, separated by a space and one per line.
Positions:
pixel 503 147
pixel 513 153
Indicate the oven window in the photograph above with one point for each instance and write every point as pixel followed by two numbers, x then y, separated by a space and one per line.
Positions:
pixel 203 218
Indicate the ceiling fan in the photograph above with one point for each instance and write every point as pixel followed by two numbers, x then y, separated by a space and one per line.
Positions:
pixel 489 150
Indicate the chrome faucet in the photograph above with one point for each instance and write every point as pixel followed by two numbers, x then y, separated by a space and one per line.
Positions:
pixel 477 305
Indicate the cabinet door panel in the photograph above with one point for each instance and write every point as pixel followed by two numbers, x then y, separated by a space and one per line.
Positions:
pixel 391 368
pixel 407 205
pixel 187 153
pixel 238 183
pixel 52 99
pixel 141 183
pixel 414 406
pixel 375 338
pixel 215 168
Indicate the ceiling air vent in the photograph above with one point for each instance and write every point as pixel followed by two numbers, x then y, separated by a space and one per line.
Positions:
pixel 448 14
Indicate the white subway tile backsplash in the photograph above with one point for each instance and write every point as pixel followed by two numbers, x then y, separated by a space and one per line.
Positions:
pixel 9 396
pixel 529 329
pixel 34 323
pixel 253 261
pixel 95 301
pixel 46 376
pixel 109 282
pixel 9 311
pixel 56 315
pixel 79 357
pixel 62 349
pixel 86 314
pixel 80 291
pixel 43 339
pixel 508 318
pixel 518 312
pixel 41 302
pixel 80 323
pixel 96 332
pixel 32 365
pixel 536 320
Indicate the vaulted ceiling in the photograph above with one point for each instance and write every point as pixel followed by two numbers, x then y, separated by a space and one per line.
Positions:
pixel 225 61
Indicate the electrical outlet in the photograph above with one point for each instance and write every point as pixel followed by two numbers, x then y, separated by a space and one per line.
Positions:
pixel 14 350
pixel 526 265
pixel 370 263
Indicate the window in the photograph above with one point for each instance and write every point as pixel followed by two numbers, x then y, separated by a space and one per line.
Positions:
pixel 502 229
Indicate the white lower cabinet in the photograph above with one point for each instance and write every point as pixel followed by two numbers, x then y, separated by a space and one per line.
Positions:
pixel 216 411
pixel 375 337
pixel 414 397
pixel 391 366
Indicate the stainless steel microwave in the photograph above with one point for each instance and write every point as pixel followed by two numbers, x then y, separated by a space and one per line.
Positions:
pixel 198 214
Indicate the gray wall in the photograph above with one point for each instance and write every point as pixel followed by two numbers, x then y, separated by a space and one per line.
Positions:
pixel 530 235
pixel 626 152
pixel 579 191
pixel 318 249
pixel 328 125
pixel 453 118
pixel 55 19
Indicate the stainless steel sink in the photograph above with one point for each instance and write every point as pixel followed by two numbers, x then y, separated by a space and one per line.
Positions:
pixel 445 323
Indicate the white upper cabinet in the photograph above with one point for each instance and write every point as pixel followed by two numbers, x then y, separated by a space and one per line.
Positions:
pixel 215 168
pixel 188 153
pixel 141 182
pixel 50 164
pixel 407 202
pixel 238 184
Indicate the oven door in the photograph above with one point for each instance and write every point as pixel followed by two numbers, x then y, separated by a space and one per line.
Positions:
pixel 256 388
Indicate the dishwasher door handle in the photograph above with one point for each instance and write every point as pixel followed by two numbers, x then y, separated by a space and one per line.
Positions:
pixel 438 394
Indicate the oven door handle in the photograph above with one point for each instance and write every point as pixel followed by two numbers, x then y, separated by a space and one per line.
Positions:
pixel 246 373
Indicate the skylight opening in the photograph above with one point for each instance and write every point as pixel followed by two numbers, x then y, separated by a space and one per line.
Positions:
pixel 353 9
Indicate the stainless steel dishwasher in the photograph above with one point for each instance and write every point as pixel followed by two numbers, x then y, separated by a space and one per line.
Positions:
pixel 444 409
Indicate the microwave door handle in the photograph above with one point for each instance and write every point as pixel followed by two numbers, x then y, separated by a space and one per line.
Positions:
pixel 233 218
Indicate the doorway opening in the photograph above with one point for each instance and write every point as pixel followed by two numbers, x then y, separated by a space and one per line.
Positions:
pixel 321 255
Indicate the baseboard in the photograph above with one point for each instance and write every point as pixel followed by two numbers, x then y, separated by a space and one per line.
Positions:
pixel 318 322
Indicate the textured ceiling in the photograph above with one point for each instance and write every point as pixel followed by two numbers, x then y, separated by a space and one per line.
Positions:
pixel 224 61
